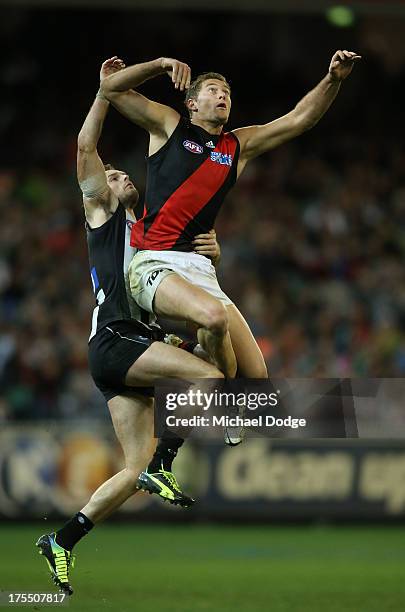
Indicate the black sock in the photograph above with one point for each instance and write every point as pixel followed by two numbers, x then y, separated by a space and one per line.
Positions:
pixel 165 453
pixel 73 531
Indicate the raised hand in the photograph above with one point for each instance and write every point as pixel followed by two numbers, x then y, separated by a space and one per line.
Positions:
pixel 114 64
pixel 342 64
pixel 179 72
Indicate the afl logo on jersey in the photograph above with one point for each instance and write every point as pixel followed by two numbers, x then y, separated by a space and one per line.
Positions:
pixel 193 147
pixel 130 224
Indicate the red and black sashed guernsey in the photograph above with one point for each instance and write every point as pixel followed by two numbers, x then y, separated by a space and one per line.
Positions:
pixel 187 181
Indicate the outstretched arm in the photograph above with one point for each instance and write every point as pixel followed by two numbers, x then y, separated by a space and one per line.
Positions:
pixel 154 117
pixel 90 169
pixel 258 139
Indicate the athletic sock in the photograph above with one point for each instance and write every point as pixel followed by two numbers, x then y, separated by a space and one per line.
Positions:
pixel 165 453
pixel 73 531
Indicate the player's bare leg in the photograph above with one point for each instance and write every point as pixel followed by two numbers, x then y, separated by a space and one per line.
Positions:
pixel 161 360
pixel 176 298
pixel 209 343
pixel 249 357
pixel 132 418
pixel 250 361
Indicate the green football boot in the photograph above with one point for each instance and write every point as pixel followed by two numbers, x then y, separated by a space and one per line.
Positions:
pixel 59 561
pixel 165 485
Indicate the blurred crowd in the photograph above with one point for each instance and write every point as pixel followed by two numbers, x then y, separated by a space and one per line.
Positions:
pixel 313 255
pixel 312 239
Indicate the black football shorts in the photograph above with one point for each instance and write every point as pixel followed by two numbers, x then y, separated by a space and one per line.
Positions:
pixel 112 351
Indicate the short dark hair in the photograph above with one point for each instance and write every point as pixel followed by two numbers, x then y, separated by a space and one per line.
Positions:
pixel 196 84
pixel 108 167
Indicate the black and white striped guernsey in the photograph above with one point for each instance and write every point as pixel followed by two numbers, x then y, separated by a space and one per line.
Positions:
pixel 110 254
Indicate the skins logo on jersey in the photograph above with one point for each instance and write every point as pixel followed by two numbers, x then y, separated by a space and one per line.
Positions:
pixel 221 158
pixel 193 147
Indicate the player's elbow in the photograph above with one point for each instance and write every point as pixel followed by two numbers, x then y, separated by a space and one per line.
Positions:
pixel 108 88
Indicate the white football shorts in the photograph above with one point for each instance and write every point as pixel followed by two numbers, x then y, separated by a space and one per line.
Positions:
pixel 148 268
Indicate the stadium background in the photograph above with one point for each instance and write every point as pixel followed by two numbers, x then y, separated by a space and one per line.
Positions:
pixel 312 244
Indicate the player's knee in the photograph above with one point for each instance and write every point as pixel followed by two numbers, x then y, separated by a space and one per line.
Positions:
pixel 216 318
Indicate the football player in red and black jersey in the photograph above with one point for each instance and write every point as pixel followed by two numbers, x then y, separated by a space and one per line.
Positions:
pixel 192 165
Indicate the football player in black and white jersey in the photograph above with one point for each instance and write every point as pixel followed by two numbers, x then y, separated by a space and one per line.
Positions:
pixel 126 353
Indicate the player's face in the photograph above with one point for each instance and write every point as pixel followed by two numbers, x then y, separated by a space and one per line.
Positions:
pixel 122 186
pixel 214 101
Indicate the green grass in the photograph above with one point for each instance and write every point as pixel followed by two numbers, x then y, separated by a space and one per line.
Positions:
pixel 191 568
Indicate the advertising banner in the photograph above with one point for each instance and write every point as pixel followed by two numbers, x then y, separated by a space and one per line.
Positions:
pixel 49 471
